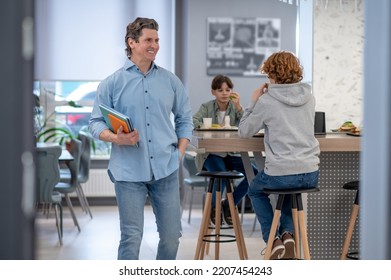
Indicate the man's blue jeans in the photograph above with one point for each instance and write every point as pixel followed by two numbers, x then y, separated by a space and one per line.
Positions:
pixel 228 163
pixel 164 197
pixel 261 202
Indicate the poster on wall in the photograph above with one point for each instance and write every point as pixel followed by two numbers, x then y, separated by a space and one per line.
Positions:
pixel 238 46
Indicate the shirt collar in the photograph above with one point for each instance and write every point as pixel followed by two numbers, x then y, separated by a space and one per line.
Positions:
pixel 229 107
pixel 129 64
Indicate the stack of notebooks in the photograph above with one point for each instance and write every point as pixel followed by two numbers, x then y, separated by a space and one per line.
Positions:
pixel 115 120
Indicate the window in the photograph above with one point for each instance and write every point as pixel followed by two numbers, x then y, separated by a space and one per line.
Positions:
pixel 66 105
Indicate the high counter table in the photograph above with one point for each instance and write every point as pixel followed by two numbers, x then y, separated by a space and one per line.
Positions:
pixel 228 141
pixel 328 210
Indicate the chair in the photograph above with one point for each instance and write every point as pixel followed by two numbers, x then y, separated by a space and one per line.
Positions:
pixel 48 176
pixel 204 236
pixel 71 186
pixel 192 180
pixel 353 185
pixel 299 222
pixel 84 170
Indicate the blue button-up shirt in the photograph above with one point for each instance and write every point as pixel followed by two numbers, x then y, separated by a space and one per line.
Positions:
pixel 149 101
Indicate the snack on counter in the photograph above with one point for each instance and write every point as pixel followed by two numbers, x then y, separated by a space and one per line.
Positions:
pixel 347 126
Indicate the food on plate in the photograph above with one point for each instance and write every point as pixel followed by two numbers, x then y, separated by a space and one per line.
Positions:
pixel 216 126
pixel 347 126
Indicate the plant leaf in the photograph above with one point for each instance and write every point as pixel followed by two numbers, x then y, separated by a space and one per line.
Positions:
pixel 74 104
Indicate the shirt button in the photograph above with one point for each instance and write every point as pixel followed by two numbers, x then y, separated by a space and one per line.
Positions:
pixel 151 157
pixel 147 124
pixel 147 108
pixel 149 141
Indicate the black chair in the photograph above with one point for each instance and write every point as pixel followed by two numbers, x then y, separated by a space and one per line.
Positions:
pixel 192 180
pixel 205 237
pixel 353 185
pixel 71 186
pixel 299 222
pixel 84 170
pixel 48 175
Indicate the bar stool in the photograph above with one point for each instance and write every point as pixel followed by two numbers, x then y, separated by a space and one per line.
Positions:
pixel 299 223
pixel 353 185
pixel 205 236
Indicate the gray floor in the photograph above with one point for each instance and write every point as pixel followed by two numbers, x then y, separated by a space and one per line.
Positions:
pixel 98 239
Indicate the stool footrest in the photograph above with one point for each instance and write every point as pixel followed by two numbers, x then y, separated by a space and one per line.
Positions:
pixel 290 191
pixel 232 238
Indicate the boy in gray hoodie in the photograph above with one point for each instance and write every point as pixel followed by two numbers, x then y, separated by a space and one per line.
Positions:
pixel 285 109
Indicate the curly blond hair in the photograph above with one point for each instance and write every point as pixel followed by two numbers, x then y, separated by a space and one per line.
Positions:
pixel 283 67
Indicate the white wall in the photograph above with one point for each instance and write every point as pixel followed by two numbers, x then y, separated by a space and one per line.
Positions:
pixel 84 40
pixel 338 61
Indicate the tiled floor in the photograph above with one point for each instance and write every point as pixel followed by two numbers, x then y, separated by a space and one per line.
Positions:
pixel 98 239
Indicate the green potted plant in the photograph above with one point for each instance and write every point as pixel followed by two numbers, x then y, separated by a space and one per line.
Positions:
pixel 57 134
pixel 50 129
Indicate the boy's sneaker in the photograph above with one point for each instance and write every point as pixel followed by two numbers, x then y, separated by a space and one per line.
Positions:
pixel 213 216
pixel 226 212
pixel 289 244
pixel 278 250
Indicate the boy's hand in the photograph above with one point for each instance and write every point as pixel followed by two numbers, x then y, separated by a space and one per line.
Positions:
pixel 259 92
pixel 235 99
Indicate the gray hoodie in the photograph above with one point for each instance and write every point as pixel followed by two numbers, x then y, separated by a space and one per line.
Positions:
pixel 287 113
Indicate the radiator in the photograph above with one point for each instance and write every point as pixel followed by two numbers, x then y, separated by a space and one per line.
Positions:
pixel 99 184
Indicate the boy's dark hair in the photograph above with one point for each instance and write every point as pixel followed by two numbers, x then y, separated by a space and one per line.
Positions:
pixel 219 80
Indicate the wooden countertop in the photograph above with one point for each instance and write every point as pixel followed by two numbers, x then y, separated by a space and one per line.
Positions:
pixel 229 141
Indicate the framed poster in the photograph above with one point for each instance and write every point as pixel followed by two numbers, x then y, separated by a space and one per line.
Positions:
pixel 238 46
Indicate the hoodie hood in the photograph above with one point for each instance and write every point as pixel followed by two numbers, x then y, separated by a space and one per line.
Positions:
pixel 291 94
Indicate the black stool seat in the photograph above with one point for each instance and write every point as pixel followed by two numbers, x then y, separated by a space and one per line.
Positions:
pixel 353 185
pixel 221 174
pixel 291 191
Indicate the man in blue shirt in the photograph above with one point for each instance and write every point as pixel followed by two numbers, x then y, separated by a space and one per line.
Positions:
pixel 149 95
